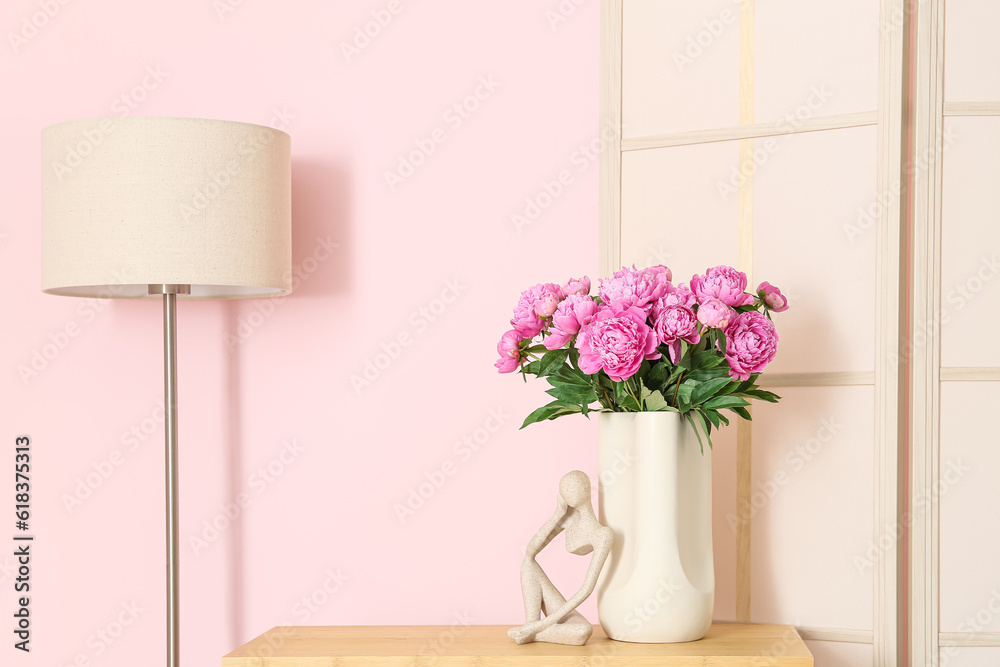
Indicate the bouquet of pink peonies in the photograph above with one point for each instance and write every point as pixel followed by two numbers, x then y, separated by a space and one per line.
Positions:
pixel 644 344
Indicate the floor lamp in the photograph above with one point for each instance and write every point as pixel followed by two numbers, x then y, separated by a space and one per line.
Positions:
pixel 166 208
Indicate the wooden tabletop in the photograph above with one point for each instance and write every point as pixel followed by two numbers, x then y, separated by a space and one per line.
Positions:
pixel 489 646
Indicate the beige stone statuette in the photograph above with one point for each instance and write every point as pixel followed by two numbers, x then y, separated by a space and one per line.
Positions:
pixel 562 623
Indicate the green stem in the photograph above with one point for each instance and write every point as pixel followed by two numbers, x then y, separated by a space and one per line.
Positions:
pixel 628 388
pixel 678 387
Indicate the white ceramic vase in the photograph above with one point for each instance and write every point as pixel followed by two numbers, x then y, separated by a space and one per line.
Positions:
pixel 658 585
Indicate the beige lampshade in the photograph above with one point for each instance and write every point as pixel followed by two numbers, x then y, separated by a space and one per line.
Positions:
pixel 130 202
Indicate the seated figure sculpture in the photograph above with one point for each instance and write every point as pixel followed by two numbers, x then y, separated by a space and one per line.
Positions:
pixel 562 623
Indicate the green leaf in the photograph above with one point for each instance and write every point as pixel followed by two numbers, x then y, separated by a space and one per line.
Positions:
pixel 531 368
pixel 657 376
pixel 713 416
pixel 733 386
pixel 574 358
pixel 721 339
pixel 684 397
pixel 698 424
pixel 573 376
pixel 707 389
pixel 763 395
pixel 655 401
pixel 722 402
pixel 537 349
pixel 630 404
pixel 743 412
pixel 706 359
pixel 552 362
pixel 700 416
pixel 542 413
pixel 570 394
pixel 674 376
pixel 684 362
pixel 550 411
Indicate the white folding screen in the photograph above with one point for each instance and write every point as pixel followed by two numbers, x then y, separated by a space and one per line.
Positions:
pixel 955 560
pixel 768 135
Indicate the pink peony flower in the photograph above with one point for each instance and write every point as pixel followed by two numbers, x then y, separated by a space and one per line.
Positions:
pixel 723 283
pixel 617 341
pixel 677 296
pixel 773 297
pixel 577 286
pixel 674 324
pixel 510 353
pixel 665 270
pixel 547 305
pixel 634 287
pixel 576 311
pixel 527 321
pixel 714 314
pixel 751 343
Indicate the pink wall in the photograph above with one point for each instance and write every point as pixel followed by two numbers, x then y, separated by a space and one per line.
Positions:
pixel 436 258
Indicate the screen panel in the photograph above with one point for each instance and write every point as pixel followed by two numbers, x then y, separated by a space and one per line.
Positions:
pixel 672 211
pixel 972 64
pixel 813 198
pixel 812 495
pixel 680 66
pixel 970 241
pixel 969 499
pixel 823 56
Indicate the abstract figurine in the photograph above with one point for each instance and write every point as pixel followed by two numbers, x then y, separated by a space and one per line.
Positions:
pixel 584 534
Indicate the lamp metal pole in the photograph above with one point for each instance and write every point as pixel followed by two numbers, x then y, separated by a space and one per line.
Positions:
pixel 170 293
